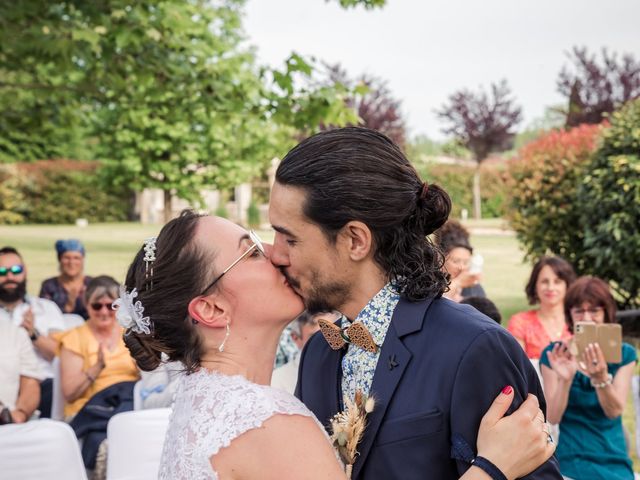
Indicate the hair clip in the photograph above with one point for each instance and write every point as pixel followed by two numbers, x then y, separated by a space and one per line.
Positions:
pixel 149 258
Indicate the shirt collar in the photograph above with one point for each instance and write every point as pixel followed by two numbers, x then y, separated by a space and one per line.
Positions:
pixel 377 313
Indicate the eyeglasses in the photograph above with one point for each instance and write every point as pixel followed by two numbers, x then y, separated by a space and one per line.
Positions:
pixel 97 306
pixel 580 312
pixel 15 269
pixel 257 245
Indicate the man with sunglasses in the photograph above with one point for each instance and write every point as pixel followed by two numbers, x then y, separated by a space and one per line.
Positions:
pixel 37 316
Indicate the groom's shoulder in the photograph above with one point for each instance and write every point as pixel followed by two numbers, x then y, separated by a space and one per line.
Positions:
pixel 448 322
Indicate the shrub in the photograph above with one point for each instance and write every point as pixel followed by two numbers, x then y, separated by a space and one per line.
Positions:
pixel 253 215
pixel 542 182
pixel 609 200
pixel 60 191
pixel 13 204
pixel 457 180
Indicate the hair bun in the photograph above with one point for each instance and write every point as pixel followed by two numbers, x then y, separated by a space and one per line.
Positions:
pixel 434 208
pixel 147 358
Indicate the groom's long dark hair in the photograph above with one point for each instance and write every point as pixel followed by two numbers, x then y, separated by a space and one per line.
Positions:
pixel 359 174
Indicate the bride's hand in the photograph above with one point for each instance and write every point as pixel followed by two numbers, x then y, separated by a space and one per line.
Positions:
pixel 517 444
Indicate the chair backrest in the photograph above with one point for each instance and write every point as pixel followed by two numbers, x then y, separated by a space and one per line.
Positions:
pixel 40 449
pixel 135 444
pixel 57 400
pixel 72 320
pixel 635 389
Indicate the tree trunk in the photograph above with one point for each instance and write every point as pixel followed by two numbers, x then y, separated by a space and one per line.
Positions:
pixel 477 211
pixel 167 206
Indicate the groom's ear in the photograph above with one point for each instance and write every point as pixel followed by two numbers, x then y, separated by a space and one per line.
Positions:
pixel 357 239
pixel 211 311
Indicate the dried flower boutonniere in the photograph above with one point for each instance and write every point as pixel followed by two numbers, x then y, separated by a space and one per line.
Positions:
pixel 347 428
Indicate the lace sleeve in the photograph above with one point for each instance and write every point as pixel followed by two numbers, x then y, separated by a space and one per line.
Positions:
pixel 210 411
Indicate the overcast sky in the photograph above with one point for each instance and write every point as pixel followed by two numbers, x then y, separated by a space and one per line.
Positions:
pixel 426 49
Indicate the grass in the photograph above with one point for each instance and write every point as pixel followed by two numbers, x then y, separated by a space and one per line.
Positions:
pixel 111 247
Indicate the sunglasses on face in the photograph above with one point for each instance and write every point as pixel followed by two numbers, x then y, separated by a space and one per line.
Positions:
pixel 97 306
pixel 15 269
pixel 255 246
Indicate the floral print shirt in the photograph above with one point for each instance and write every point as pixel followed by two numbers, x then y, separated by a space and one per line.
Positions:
pixel 359 365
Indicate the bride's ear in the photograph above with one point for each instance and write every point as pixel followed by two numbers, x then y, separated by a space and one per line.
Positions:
pixel 210 311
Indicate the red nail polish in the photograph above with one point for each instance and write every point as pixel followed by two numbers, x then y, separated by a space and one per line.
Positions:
pixel 507 390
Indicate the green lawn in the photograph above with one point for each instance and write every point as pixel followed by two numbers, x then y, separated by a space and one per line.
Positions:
pixel 111 247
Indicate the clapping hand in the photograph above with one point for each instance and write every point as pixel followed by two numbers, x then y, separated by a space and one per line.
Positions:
pixel 562 362
pixel 27 321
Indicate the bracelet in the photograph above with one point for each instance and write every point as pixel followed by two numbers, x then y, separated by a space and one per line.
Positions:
pixel 608 381
pixel 91 378
pixel 489 468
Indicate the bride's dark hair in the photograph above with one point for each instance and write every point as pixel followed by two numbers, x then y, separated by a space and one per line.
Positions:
pixel 180 272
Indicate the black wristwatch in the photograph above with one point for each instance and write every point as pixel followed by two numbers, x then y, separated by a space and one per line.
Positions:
pixel 34 336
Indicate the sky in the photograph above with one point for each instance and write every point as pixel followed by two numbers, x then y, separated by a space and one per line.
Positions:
pixel 427 49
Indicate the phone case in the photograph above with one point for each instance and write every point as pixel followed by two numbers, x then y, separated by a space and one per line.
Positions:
pixel 607 335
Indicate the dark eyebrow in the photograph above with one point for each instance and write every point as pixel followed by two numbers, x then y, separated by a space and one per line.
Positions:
pixel 283 230
pixel 243 238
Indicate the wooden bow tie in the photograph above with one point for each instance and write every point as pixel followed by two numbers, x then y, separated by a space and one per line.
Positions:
pixel 356 334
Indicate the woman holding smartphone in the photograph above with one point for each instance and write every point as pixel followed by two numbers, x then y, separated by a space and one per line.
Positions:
pixel 587 395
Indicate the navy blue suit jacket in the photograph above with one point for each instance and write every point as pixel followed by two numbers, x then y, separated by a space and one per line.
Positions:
pixel 441 366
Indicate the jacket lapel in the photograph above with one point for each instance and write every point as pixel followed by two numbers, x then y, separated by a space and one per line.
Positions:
pixel 394 358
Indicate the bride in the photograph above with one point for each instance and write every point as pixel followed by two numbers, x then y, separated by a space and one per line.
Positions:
pixel 205 294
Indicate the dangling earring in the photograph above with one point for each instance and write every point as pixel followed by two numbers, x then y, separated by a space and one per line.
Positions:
pixel 221 347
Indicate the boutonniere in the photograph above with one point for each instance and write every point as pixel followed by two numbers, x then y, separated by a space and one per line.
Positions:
pixel 347 428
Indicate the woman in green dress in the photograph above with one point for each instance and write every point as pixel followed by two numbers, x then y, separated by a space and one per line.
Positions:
pixel 586 395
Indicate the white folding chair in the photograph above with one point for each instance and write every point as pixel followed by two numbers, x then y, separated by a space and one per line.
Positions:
pixel 635 391
pixel 57 398
pixel 126 433
pixel 40 449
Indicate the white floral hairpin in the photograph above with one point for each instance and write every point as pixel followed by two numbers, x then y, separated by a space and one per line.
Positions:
pixel 130 314
pixel 149 258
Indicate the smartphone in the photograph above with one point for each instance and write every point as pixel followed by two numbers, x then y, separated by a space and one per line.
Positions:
pixel 607 335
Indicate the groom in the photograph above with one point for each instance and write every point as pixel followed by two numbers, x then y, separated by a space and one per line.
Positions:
pixel 351 218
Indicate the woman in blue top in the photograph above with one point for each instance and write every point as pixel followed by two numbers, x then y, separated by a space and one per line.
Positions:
pixel 587 396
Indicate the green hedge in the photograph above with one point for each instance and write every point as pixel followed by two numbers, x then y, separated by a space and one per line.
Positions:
pixel 457 180
pixel 59 192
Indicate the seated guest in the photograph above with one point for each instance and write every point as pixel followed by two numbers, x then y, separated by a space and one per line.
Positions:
pixel 587 395
pixel 67 289
pixel 20 374
pixel 302 328
pixel 93 356
pixel 97 373
pixel 484 305
pixel 547 286
pixel 37 316
pixel 453 240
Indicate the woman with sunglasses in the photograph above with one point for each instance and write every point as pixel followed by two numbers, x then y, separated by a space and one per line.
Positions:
pixel 587 395
pixel 206 294
pixel 93 356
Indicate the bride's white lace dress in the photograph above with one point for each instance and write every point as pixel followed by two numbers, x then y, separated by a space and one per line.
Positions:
pixel 210 410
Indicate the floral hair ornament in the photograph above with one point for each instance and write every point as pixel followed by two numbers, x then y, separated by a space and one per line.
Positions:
pixel 149 258
pixel 130 314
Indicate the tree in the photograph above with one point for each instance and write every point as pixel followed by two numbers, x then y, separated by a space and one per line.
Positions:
pixel 542 181
pixel 482 123
pixel 594 89
pixel 608 198
pixel 371 99
pixel 173 97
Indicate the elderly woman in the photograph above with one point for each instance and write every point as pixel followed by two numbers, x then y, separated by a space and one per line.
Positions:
pixel 96 368
pixel 67 289
pixel 205 294
pixel 535 329
pixel 453 240
pixel 586 395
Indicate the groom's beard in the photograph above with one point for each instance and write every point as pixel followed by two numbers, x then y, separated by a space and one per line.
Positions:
pixel 324 296
pixel 14 294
